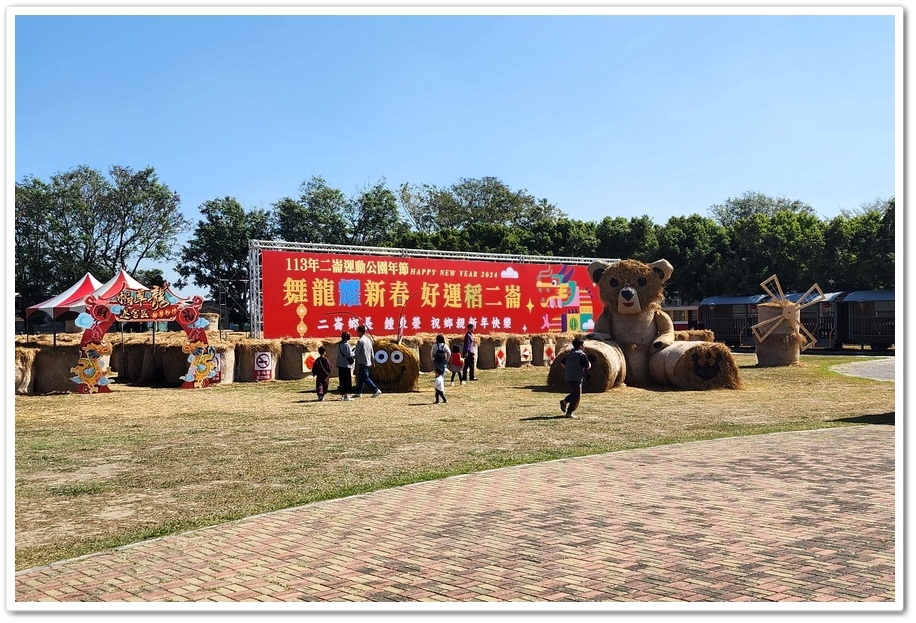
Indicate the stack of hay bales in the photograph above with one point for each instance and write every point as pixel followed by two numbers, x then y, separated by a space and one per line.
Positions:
pixel 25 360
pixel 52 369
pixel 543 349
pixel 245 352
pixel 609 368
pixel 289 367
pixel 695 335
pixel 491 351
pixel 400 369
pixel 518 351
pixel 226 353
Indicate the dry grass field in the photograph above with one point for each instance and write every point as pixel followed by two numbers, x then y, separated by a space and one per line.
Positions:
pixel 98 471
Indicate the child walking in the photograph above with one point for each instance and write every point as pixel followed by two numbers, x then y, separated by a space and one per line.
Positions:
pixel 439 385
pixel 322 371
pixel 455 363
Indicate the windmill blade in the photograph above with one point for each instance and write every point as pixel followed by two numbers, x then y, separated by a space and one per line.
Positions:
pixel 810 339
pixel 774 281
pixel 774 321
pixel 820 296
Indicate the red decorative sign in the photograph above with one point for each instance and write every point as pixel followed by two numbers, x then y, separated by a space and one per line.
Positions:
pixel 317 294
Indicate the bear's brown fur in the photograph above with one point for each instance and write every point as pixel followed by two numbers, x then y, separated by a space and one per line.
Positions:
pixel 632 293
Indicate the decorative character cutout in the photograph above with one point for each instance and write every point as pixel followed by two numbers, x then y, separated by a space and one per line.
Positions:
pixel 632 293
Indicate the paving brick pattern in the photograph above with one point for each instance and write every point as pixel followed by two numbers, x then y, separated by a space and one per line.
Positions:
pixel 789 517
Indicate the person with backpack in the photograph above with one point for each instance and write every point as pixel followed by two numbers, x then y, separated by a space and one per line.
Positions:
pixel 345 359
pixel 576 364
pixel 439 355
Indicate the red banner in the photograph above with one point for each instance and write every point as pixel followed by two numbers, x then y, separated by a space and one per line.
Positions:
pixel 315 294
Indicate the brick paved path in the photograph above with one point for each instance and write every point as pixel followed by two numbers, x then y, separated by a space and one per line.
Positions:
pixel 804 517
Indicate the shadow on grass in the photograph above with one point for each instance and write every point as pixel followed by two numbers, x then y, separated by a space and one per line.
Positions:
pixel 880 418
pixel 546 417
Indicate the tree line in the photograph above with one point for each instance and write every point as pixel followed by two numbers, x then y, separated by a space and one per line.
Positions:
pixel 84 221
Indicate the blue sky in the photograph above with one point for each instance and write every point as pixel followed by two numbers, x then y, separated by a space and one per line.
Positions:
pixel 602 115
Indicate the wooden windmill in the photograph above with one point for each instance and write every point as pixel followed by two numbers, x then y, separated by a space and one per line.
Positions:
pixel 780 334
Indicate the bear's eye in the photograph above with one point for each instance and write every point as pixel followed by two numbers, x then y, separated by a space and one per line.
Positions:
pixel 613 283
pixel 642 281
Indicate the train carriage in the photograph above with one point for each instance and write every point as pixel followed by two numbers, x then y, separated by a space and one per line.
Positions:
pixel 822 319
pixel 868 317
pixel 730 318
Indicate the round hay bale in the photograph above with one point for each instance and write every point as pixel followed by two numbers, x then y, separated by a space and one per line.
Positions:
pixel 424 352
pixel 290 367
pixel 782 346
pixel 562 340
pixel 608 369
pixel 701 335
pixel 213 320
pixel 396 368
pixel 175 364
pixel 116 360
pixel 152 370
pixel 134 354
pixel 543 350
pixel 52 369
pixel 491 351
pixel 245 352
pixel 225 354
pixel 25 359
pixel 518 351
pixel 695 366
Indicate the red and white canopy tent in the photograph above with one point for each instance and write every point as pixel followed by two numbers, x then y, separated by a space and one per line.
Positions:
pixel 64 302
pixel 110 289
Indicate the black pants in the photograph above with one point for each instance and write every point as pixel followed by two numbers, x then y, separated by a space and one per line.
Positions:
pixel 346 381
pixel 440 394
pixel 467 372
pixel 574 397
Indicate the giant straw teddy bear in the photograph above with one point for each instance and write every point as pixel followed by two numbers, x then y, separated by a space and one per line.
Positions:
pixel 633 320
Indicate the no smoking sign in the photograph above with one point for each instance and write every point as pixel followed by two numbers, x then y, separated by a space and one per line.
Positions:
pixel 263 366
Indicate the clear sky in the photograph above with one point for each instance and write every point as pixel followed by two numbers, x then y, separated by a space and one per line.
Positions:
pixel 602 115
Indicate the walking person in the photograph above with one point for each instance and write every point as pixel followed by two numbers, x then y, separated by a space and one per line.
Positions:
pixel 455 364
pixel 345 359
pixel 439 386
pixel 322 371
pixel 439 354
pixel 469 350
pixel 365 355
pixel 576 364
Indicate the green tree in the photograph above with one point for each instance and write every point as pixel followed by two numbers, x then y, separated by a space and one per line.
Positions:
pixel 318 216
pixel 81 221
pixel 430 208
pixel 38 272
pixel 696 246
pixel 750 203
pixel 786 244
pixel 375 218
pixel 624 239
pixel 563 237
pixel 142 219
pixel 216 255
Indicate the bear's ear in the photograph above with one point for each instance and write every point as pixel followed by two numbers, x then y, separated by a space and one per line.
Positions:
pixel 663 269
pixel 596 269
